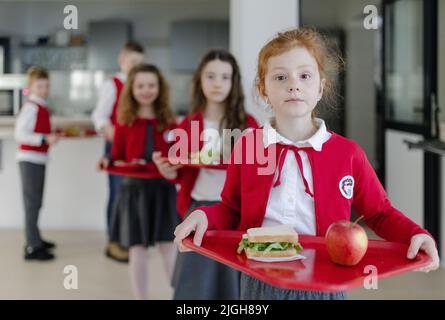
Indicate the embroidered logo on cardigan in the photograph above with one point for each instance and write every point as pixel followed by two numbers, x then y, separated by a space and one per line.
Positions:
pixel 346 186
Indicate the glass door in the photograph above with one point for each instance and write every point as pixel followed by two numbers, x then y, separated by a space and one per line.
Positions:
pixel 407 97
pixel 404 62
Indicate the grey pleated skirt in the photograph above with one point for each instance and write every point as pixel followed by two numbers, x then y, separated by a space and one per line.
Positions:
pixel 144 212
pixel 199 278
pixel 253 289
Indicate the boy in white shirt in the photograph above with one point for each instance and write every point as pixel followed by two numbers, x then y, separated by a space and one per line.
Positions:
pixel 104 118
pixel 33 132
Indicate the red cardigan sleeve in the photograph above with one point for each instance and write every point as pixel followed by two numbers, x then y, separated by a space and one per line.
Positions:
pixel 370 200
pixel 173 126
pixel 183 125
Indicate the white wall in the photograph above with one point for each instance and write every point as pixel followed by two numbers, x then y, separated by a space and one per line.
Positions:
pixel 252 24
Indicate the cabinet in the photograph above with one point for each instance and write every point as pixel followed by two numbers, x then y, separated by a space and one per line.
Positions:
pixel 106 39
pixel 191 39
pixel 54 57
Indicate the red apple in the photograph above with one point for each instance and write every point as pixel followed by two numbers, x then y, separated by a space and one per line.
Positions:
pixel 346 242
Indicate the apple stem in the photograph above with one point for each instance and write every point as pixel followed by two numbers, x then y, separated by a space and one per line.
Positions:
pixel 358 219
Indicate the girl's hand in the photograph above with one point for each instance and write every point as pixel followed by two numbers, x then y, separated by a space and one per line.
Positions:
pixel 425 243
pixel 166 169
pixel 103 164
pixel 197 222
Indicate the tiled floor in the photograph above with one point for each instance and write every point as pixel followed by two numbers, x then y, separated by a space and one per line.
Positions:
pixel 98 276
pixel 101 278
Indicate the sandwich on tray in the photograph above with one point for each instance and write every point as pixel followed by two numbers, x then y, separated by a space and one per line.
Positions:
pixel 270 242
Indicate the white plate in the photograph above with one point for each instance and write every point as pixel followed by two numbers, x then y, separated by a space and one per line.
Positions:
pixel 278 259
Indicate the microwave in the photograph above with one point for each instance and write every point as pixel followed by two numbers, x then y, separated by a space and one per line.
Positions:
pixel 11 93
pixel 6 103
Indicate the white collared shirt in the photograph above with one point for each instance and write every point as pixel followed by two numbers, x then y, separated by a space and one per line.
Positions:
pixel 24 131
pixel 209 184
pixel 104 107
pixel 288 202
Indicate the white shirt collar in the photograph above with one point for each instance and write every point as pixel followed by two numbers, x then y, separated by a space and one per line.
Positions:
pixel 37 99
pixel 322 135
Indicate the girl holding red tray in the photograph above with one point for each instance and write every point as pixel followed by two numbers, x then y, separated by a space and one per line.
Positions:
pixel 316 174
pixel 217 104
pixel 145 209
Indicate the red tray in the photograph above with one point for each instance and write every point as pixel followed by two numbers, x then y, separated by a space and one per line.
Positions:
pixel 83 133
pixel 131 166
pixel 186 163
pixel 317 272
pixel 134 171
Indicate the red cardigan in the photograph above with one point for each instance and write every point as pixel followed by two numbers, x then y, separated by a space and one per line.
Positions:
pixel 129 141
pixel 245 193
pixel 187 176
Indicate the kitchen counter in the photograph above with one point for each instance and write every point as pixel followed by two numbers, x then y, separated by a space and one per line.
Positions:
pixel 7 124
pixel 75 192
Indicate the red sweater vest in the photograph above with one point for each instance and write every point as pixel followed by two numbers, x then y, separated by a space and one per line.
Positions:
pixel 43 126
pixel 187 176
pixel 119 86
pixel 342 177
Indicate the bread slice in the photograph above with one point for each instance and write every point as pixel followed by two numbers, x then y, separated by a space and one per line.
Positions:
pixel 282 233
pixel 270 254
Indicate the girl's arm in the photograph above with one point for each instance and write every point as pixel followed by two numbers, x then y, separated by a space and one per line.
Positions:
pixel 169 171
pixel 371 201
pixel 104 107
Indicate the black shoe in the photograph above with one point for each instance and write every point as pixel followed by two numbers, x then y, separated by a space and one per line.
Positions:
pixel 41 254
pixel 48 244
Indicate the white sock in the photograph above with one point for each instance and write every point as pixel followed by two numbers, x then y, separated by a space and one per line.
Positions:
pixel 169 251
pixel 138 272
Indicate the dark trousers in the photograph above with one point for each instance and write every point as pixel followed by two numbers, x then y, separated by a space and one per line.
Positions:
pixel 114 183
pixel 33 181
